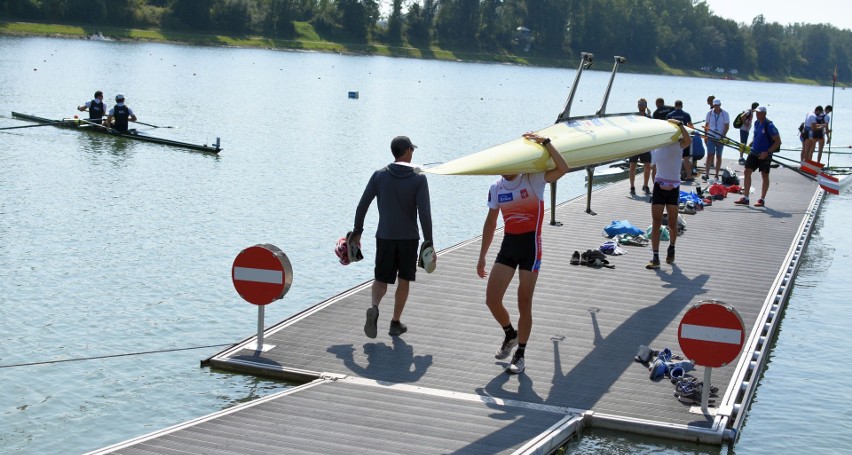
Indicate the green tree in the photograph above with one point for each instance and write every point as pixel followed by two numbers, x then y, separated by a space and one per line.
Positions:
pixel 548 20
pixel 395 22
pixel 23 9
pixel 85 11
pixel 194 14
pixel 121 12
pixel 231 16
pixel 768 42
pixel 277 17
pixel 487 35
pixel 357 17
pixel 418 22
pixel 456 22
pixel 816 50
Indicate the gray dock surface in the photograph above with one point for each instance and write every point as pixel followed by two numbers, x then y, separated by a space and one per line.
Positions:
pixel 438 388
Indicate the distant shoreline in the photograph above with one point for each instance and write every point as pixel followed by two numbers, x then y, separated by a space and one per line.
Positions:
pixel 317 44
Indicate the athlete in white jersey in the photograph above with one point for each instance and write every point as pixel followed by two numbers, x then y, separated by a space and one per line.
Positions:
pixel 520 198
pixel 666 195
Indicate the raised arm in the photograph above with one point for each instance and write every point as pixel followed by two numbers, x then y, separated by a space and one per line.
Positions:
pixel 562 167
pixel 685 139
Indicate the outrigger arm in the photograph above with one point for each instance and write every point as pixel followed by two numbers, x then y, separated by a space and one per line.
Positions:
pixel 585 63
pixel 590 171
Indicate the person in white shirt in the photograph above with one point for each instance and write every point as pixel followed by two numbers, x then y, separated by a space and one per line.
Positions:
pixel 716 125
pixel 666 194
pixel 747 117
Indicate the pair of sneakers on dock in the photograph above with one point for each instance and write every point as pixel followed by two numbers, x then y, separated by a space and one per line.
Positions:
pixel 744 201
pixel 397 328
pixel 517 363
pixel 371 328
pixel 655 261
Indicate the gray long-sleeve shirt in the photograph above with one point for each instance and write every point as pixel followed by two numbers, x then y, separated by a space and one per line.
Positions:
pixel 402 195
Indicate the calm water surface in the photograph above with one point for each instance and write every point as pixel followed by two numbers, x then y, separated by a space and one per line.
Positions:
pixel 111 247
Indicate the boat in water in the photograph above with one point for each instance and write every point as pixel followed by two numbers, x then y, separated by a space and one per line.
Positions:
pixel 85 125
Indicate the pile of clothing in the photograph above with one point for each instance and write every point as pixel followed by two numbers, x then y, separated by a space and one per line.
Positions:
pixel 664 364
pixel 591 258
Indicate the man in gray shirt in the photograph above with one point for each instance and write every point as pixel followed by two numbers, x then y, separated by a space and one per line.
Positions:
pixel 402 195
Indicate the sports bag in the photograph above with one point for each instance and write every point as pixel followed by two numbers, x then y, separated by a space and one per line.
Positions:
pixel 738 121
pixel 621 227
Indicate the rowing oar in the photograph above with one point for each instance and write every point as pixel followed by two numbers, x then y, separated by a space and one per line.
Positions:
pixel 826 181
pixel 97 124
pixel 52 123
pixel 153 126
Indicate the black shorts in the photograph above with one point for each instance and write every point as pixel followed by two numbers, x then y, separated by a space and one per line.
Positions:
pixel 641 158
pixel 521 251
pixel 755 164
pixel 396 258
pixel 687 152
pixel 665 197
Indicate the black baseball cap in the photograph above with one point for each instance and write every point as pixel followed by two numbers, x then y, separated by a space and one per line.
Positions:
pixel 400 144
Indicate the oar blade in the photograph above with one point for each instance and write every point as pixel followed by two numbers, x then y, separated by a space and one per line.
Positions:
pixel 829 183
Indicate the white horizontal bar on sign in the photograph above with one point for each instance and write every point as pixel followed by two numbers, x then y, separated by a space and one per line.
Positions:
pixel 714 334
pixel 258 275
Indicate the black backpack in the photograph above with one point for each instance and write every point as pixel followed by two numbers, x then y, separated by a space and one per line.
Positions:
pixel 738 121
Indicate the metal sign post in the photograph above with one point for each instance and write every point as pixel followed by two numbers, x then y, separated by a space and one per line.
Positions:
pixel 711 334
pixel 261 275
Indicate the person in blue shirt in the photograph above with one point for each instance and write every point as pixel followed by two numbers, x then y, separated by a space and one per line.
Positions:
pixel 685 119
pixel 766 141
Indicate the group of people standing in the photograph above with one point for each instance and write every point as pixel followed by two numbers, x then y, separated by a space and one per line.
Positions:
pixel 117 118
pixel 672 164
pixel 815 131
pixel 403 198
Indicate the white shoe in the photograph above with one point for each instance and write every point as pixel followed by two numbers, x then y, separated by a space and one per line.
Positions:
pixel 506 348
pixel 516 366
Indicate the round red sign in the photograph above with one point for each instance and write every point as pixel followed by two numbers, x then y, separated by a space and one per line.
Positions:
pixel 262 274
pixel 711 334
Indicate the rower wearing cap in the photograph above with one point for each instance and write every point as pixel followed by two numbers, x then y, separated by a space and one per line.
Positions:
pixel 119 115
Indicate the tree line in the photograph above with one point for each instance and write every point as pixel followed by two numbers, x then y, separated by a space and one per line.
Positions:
pixel 682 34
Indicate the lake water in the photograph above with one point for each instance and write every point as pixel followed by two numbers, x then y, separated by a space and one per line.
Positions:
pixel 111 247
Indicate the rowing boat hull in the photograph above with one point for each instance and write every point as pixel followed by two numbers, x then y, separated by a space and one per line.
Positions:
pixel 582 142
pixel 84 126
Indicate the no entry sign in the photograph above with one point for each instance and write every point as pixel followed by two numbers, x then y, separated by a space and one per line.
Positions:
pixel 711 334
pixel 262 274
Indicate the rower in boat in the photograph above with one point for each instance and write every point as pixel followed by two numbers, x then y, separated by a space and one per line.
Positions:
pixel 120 115
pixel 96 107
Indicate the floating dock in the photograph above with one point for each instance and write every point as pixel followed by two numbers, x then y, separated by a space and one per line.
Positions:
pixel 438 388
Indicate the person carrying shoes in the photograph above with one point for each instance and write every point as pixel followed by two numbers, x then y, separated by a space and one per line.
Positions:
pixel 403 195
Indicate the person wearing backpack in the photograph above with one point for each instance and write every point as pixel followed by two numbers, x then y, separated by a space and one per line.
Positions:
pixel 766 141
pixel 743 122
